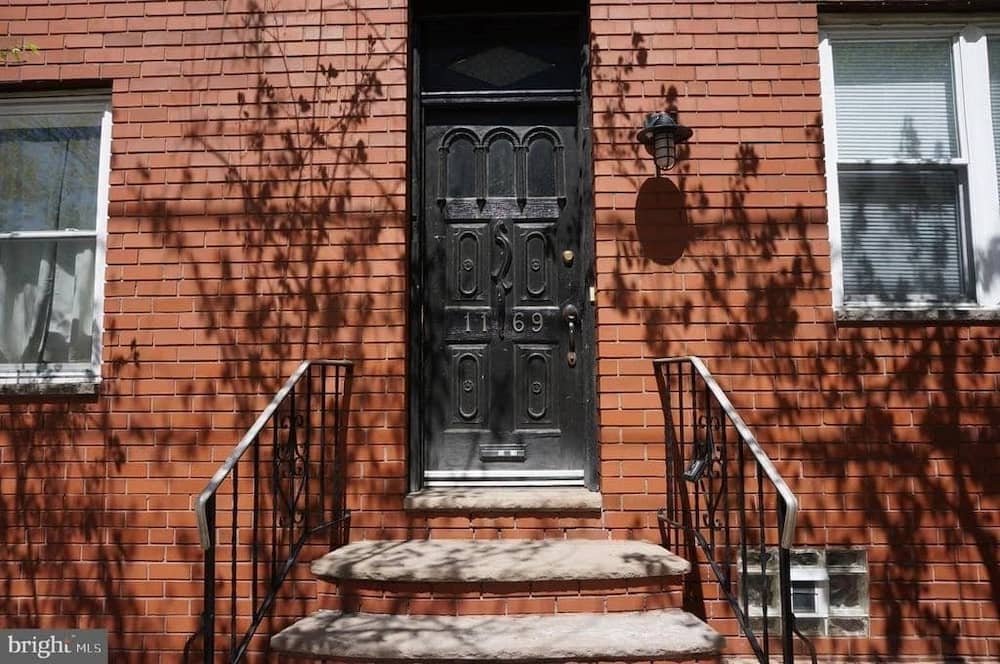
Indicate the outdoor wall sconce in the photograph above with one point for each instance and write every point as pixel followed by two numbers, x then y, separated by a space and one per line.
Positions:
pixel 661 135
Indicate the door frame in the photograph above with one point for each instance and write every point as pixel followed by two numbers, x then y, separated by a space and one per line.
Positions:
pixel 415 273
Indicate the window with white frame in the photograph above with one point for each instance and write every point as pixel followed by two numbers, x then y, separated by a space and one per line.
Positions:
pixel 911 117
pixel 54 168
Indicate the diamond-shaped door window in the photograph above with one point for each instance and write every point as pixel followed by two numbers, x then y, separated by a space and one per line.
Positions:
pixel 496 52
pixel 500 66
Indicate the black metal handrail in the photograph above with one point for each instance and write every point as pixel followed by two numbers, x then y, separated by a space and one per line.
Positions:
pixel 289 488
pixel 725 498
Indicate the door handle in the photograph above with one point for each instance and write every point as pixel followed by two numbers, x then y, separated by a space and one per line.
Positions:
pixel 572 317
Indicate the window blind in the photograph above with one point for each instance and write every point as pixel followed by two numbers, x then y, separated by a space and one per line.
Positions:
pixel 901 235
pixel 901 224
pixel 894 100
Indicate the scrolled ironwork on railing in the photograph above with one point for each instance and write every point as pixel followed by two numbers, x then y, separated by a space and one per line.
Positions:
pixel 726 499
pixel 279 488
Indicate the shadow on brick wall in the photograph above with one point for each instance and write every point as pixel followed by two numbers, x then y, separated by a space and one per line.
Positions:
pixel 65 557
pixel 259 235
pixel 888 432
pixel 300 254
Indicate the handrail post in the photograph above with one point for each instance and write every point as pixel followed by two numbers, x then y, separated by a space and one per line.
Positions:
pixel 208 612
pixel 785 585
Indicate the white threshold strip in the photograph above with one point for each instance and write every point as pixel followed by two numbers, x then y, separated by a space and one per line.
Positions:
pixel 500 478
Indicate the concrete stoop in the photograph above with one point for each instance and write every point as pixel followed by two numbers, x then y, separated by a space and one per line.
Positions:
pixel 508 561
pixel 641 636
pixel 549 635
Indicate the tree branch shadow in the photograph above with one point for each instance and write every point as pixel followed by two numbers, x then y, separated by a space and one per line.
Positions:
pixel 885 431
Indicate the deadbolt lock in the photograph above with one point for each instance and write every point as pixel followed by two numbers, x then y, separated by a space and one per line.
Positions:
pixel 568 256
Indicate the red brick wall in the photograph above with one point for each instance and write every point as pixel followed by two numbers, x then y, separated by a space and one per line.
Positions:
pixel 238 246
pixel 888 433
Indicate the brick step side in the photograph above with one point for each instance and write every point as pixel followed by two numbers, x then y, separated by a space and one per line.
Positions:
pixel 545 597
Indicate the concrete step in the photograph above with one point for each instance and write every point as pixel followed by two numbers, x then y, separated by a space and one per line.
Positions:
pixel 503 561
pixel 648 635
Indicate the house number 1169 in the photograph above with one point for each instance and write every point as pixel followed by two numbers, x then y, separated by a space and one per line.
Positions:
pixel 519 322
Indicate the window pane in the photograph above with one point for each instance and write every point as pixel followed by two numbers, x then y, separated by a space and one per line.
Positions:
pixel 806 558
pixel 46 301
pixel 49 179
pixel 847 591
pixel 462 169
pixel 857 558
pixel 500 171
pixel 811 626
pixel 488 53
pixel 760 590
pixel 895 100
pixel 848 626
pixel 803 597
pixel 901 236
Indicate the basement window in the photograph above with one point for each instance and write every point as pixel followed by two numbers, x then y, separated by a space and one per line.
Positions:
pixel 807 598
pixel 55 150
pixel 829 591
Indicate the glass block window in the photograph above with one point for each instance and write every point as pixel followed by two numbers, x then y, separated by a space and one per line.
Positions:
pixel 829 591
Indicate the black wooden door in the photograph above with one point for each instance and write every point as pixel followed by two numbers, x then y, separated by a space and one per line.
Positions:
pixel 506 322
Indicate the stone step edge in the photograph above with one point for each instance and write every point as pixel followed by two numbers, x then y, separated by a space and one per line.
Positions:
pixel 549 501
pixel 498 561
pixel 648 635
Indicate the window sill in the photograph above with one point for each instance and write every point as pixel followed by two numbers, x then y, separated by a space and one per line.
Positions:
pixel 63 386
pixel 876 314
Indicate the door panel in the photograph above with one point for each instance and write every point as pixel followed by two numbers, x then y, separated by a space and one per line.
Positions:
pixel 505 382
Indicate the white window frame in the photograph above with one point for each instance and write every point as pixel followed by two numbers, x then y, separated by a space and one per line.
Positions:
pixel 976 156
pixel 819 581
pixel 80 377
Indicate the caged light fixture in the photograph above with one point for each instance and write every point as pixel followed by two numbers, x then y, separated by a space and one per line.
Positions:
pixel 661 134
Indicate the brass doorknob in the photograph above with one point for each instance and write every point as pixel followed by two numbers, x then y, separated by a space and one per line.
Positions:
pixel 568 257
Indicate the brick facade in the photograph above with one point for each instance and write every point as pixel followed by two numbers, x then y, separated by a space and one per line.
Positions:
pixel 259 216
